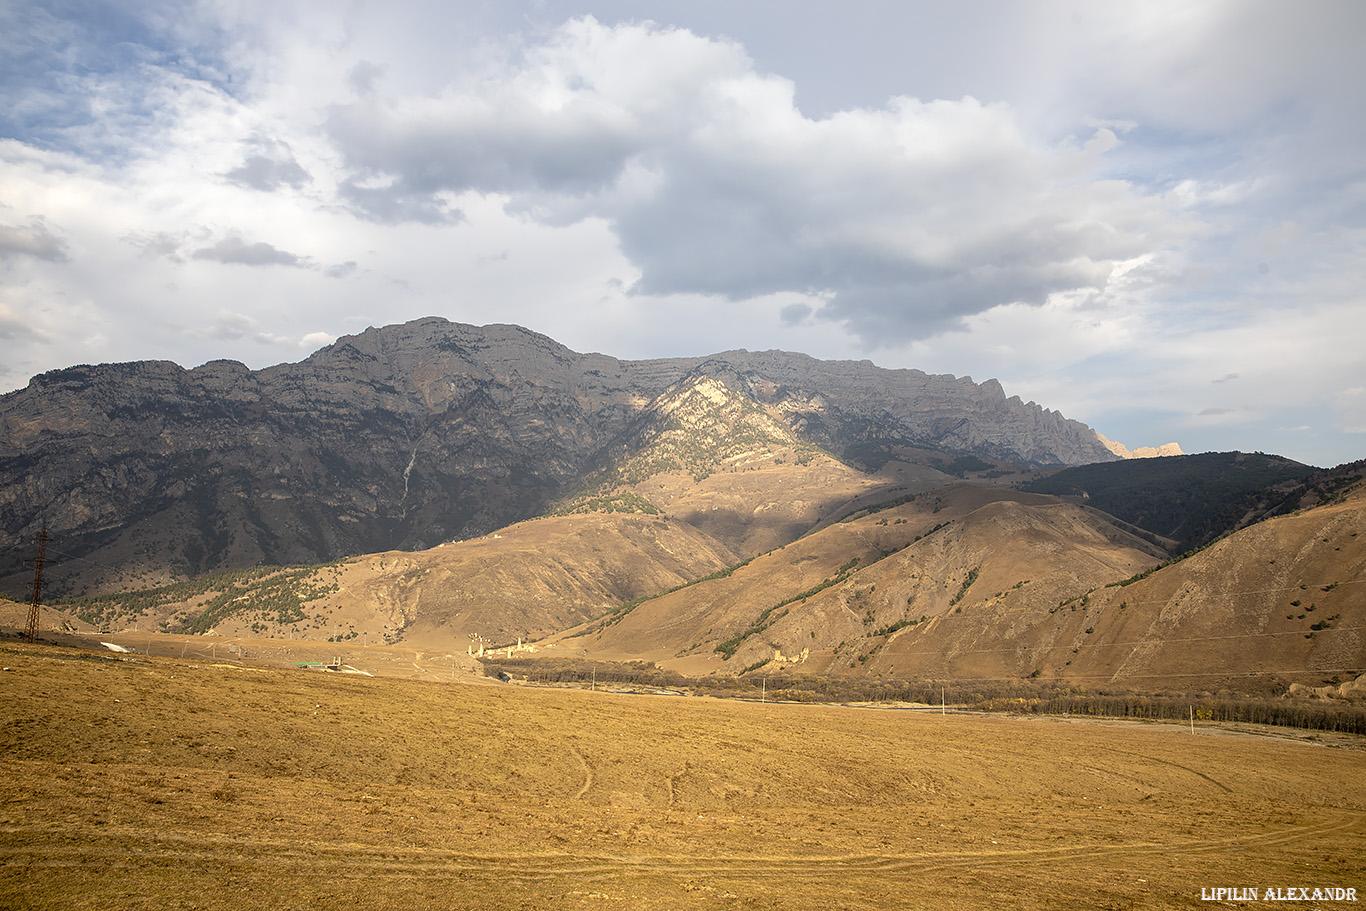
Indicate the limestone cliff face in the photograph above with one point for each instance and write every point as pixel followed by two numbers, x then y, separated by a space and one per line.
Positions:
pixel 1142 452
pixel 407 436
pixel 860 411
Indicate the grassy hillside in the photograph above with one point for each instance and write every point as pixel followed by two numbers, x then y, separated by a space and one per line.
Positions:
pixel 776 563
pixel 1280 601
pixel 969 583
pixel 837 598
pixel 163 783
pixel 528 580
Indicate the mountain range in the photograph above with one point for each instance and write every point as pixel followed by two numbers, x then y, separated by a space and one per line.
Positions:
pixel 408 436
pixel 443 485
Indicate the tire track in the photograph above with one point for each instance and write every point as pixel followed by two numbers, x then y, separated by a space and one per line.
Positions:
pixel 671 781
pixel 1176 765
pixel 1100 768
pixel 47 848
pixel 587 772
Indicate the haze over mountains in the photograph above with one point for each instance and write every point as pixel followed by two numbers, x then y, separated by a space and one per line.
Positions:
pixel 719 514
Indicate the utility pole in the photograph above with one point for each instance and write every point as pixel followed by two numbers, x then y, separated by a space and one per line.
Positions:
pixel 31 631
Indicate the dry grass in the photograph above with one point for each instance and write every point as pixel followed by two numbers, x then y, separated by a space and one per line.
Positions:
pixel 169 783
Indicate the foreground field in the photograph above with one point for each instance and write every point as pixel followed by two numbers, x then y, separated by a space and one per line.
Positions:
pixel 137 782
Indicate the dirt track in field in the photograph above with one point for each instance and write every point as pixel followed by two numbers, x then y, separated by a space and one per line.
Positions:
pixel 172 783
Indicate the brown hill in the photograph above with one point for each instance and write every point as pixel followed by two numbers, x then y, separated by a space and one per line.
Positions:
pixel 530 579
pixel 1278 602
pixel 524 581
pixel 835 600
pixel 981 584
pixel 711 538
pixel 957 582
pixel 704 478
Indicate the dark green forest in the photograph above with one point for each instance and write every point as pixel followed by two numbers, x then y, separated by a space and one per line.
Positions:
pixel 1191 499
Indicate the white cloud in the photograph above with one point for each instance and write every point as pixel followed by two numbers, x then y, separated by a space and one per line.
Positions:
pixel 341 270
pixel 14 327
pixel 230 326
pixel 312 341
pixel 908 217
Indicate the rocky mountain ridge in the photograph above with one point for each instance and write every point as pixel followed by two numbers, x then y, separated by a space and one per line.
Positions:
pixel 407 436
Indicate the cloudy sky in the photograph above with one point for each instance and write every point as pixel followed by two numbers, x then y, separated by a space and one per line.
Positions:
pixel 1150 216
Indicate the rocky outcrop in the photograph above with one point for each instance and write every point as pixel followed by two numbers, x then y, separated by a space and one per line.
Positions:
pixel 1142 452
pixel 410 435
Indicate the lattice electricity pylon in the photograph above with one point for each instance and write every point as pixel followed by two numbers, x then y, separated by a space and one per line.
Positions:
pixel 31 632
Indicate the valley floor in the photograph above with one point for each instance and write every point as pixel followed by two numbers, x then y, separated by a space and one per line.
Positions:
pixel 136 782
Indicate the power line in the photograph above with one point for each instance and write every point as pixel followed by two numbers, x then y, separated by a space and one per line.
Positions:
pixel 90 560
pixel 58 553
pixel 1258 673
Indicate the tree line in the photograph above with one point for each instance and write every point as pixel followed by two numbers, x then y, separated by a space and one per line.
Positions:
pixel 1023 697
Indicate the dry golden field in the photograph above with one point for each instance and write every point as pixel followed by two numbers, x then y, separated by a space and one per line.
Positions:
pixel 135 782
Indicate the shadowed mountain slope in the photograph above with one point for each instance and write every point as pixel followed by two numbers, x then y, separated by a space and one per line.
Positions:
pixel 1189 499
pixel 1280 601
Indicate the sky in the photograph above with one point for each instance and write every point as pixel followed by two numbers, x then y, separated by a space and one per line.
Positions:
pixel 1149 216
